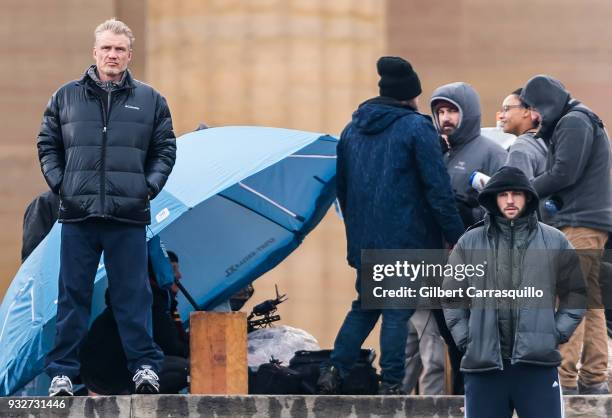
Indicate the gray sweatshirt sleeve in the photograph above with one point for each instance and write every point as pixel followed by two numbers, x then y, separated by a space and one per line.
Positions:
pixel 571 145
pixel 497 158
pixel 523 158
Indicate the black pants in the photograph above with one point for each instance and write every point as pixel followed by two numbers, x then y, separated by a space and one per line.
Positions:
pixel 125 258
pixel 533 391
pixel 174 375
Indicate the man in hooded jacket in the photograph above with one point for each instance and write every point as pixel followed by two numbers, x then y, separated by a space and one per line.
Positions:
pixel 510 344
pixel 577 181
pixel 394 193
pixel 456 113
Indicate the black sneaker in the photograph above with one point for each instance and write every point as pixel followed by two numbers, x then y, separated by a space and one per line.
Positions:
pixel 146 381
pixel 567 390
pixel 329 381
pixel 390 389
pixel 60 386
pixel 596 389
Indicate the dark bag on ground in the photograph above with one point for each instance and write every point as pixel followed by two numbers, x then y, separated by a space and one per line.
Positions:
pixel 273 379
pixel 362 379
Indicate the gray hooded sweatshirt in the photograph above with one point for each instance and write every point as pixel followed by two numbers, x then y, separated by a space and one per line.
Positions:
pixel 470 151
pixel 528 154
pixel 578 170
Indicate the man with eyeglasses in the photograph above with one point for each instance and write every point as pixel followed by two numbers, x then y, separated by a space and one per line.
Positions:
pixel 527 153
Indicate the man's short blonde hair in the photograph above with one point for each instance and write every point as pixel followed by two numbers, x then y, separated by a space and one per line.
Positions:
pixel 117 27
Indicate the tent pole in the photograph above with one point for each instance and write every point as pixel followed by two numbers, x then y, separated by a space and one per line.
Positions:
pixel 187 295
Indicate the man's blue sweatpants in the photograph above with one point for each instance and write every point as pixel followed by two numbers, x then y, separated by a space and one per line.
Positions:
pixel 533 391
pixel 125 259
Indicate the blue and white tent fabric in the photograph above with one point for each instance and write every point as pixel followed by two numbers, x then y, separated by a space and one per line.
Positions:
pixel 239 200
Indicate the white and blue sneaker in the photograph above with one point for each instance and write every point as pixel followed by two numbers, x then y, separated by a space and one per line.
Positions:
pixel 61 386
pixel 146 380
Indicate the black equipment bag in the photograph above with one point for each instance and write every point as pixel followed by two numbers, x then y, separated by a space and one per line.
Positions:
pixel 273 379
pixel 362 379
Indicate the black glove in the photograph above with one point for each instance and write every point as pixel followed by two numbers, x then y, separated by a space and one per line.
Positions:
pixel 443 144
pixel 466 206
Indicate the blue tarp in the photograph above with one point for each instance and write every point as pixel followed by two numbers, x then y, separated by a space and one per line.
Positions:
pixel 239 200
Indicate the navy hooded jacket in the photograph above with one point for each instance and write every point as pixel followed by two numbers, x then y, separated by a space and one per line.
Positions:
pixel 393 187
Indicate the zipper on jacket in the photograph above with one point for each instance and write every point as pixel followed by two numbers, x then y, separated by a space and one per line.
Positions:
pixel 495 246
pixel 511 281
pixel 105 114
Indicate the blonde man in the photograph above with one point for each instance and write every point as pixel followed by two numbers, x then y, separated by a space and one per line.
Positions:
pixel 107 147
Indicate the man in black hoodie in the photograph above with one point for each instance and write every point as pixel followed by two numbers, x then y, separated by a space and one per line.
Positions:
pixel 578 182
pixel 510 344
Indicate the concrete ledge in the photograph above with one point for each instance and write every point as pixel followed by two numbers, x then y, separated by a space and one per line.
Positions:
pixel 175 406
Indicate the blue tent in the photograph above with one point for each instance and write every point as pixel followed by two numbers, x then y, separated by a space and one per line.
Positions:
pixel 239 200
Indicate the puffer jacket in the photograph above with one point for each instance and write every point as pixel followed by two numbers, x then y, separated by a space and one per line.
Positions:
pixel 469 150
pixel 578 172
pixel 392 186
pixel 106 154
pixel 546 261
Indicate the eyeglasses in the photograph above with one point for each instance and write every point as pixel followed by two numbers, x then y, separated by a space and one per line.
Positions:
pixel 506 108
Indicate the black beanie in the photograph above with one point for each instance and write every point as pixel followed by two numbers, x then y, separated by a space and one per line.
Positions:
pixel 397 78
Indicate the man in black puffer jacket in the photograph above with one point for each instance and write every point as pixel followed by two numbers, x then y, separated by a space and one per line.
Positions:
pixel 510 345
pixel 107 147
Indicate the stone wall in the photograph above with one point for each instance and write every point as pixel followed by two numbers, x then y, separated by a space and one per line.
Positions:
pixel 303 64
pixel 288 406
pixel 298 64
pixel 498 46
pixel 47 43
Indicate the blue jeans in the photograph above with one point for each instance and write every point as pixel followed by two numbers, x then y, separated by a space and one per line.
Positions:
pixel 125 257
pixel 357 326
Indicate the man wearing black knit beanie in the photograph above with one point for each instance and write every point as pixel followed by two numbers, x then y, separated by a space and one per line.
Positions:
pixel 394 192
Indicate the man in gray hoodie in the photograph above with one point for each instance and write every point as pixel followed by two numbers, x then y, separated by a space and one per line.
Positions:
pixel 456 113
pixel 578 182
pixel 527 153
